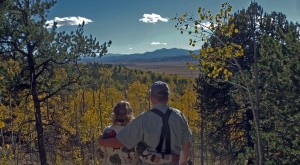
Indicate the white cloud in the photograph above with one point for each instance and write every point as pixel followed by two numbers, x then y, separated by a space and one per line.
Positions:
pixel 205 25
pixel 72 21
pixel 153 18
pixel 158 43
pixel 130 48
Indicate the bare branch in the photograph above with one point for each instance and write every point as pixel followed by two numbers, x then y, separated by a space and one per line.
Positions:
pixel 58 90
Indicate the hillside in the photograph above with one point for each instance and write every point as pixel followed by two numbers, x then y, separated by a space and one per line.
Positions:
pixel 168 61
pixel 160 55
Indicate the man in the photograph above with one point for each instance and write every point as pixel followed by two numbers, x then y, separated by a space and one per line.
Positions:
pixel 164 129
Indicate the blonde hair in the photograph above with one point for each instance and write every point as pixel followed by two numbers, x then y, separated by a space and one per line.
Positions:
pixel 122 113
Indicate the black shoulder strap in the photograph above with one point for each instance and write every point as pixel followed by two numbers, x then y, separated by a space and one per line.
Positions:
pixel 165 130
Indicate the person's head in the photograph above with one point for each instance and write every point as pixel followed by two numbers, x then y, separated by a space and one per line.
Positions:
pixel 122 113
pixel 159 92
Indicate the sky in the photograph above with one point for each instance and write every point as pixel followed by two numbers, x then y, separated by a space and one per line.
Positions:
pixel 138 26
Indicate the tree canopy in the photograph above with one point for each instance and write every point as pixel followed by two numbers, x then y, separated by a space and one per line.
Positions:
pixel 39 51
pixel 257 53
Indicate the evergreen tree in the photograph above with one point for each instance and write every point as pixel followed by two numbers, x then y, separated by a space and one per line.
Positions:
pixel 280 95
pixel 222 118
pixel 25 38
pixel 232 54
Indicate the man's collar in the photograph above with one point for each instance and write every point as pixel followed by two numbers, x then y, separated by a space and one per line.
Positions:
pixel 160 106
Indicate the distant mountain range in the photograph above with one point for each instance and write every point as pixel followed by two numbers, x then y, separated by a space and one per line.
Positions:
pixel 160 55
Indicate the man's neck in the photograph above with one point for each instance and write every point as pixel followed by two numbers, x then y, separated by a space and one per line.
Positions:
pixel 120 123
pixel 159 105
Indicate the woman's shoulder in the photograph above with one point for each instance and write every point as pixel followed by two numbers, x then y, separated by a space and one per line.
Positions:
pixel 108 133
pixel 111 131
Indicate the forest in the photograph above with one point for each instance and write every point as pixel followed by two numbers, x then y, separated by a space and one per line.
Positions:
pixel 243 108
pixel 74 119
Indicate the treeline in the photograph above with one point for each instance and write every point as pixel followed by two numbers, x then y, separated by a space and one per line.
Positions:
pixel 249 86
pixel 245 101
pixel 74 118
pixel 53 108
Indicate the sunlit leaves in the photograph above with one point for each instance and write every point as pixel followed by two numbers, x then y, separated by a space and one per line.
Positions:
pixel 214 59
pixel 77 117
pixel 2 124
pixel 138 97
pixel 217 60
pixel 186 103
pixel 90 124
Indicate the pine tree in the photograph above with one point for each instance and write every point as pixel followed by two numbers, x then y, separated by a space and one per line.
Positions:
pixel 280 79
pixel 231 54
pixel 25 38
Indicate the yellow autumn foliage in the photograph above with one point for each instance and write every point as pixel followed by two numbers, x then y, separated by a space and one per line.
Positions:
pixel 2 124
pixel 213 59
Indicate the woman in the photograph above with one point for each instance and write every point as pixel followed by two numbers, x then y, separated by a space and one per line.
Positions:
pixel 121 116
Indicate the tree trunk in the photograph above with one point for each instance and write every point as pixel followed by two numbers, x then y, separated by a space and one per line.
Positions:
pixel 100 110
pixel 202 137
pixel 39 125
pixel 81 114
pixel 37 110
pixel 11 125
pixel 256 105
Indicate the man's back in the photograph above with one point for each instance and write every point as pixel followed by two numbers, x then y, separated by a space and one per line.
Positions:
pixel 147 128
pixel 178 129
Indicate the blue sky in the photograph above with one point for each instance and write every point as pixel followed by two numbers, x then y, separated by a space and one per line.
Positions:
pixel 138 26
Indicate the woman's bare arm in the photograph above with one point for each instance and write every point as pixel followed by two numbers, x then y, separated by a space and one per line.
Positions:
pixel 110 142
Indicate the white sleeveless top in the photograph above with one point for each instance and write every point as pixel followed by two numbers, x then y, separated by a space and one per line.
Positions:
pixel 113 156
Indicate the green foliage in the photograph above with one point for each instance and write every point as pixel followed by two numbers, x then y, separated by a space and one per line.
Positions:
pixel 280 77
pixel 223 119
pixel 230 41
pixel 39 51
